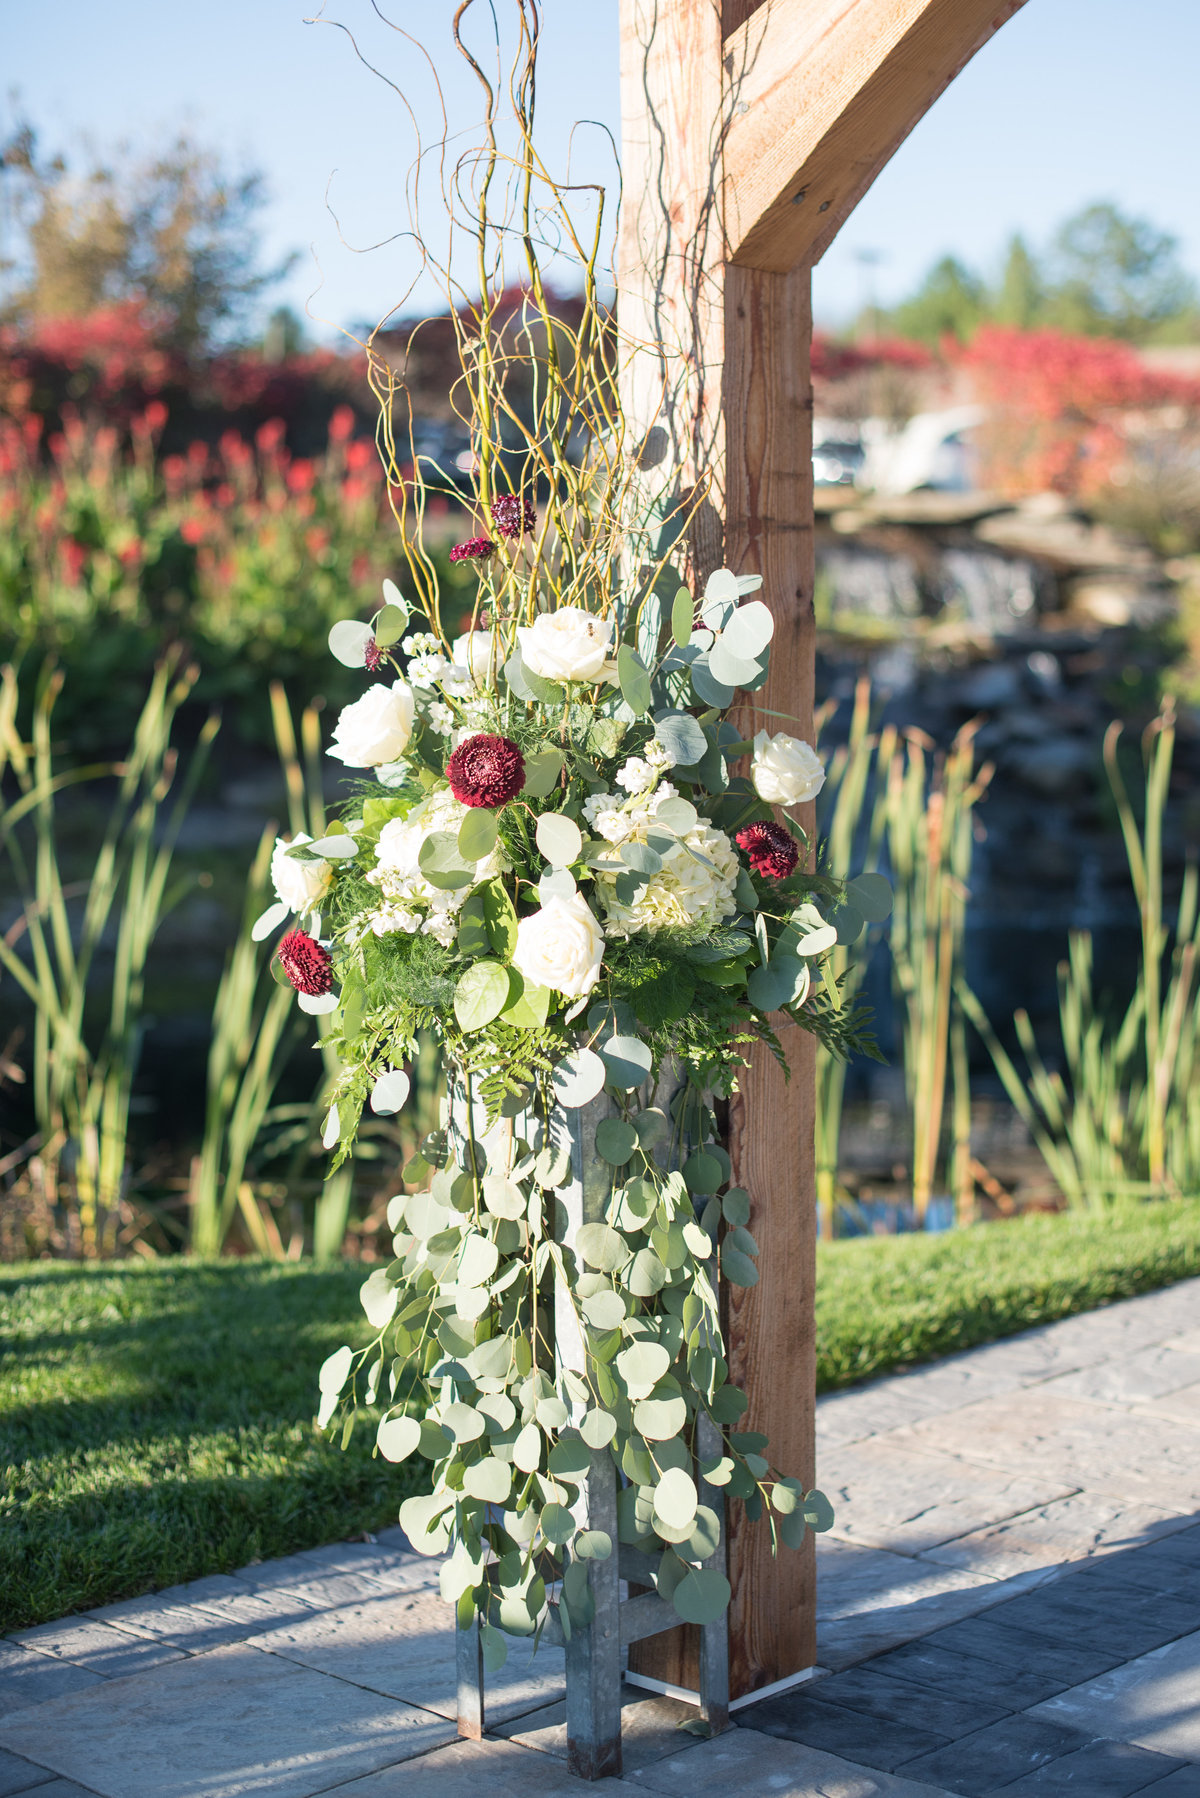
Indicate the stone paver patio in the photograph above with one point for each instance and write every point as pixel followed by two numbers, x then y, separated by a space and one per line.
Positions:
pixel 1010 1601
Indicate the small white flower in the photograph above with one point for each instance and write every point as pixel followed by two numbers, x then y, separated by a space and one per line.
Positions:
pixel 613 825
pixel 439 717
pixel 300 885
pixel 561 946
pixel 421 643
pixel 658 755
pixel 375 728
pixel 635 775
pixel 394 917
pixel 442 927
pixel 423 670
pixel 785 770
pixel 567 645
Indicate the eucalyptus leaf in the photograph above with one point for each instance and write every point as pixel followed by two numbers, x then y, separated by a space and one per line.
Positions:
pixel 598 1428
pixel 634 679
pixel 681 737
pixel 578 1078
pixel 391 623
pixel 397 1437
pixel 675 1498
pixel 682 612
pixel 503 1197
pixel 489 1479
pixel 558 1525
pixel 603 1310
pixel 643 1363
pixel 749 630
pixel 616 1140
pixel 390 1092
pixel 818 1512
pixel 871 894
pixel 559 838
pixel 542 772
pixel 658 1419
pixel 441 864
pixel 709 688
pixel 477 834
pixel 730 669
pixel 646 1274
pixel 627 1059
pixel 738 1268
pixel 601 1247
pixel 701 1596
pixel 348 641
pixel 481 994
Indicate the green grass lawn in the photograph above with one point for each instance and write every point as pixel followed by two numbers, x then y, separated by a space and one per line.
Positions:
pixel 156 1418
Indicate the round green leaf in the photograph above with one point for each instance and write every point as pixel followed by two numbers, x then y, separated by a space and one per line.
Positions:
pixel 391 623
pixel 701 1596
pixel 334 1370
pixel 481 994
pixel 682 611
pixel 397 1437
pixel 737 1268
pixel 702 1172
pixel 616 1140
pixel 503 1197
pixel 627 1059
pixel 527 1449
pixel 684 741
pixel 735 1206
pixel 348 642
pixel 705 1538
pixel 598 1428
pixel 635 681
pixel 675 1498
pixel 871 894
pixel 569 1457
pixel 593 1545
pixel 604 1310
pixel 678 815
pixel 601 1247
pixel 464 1422
pixel 441 864
pixel 488 1479
pixel 559 838
pixel 658 1419
pixel 578 1078
pixel 643 1364
pixel 558 1525
pixel 749 631
pixel 818 1512
pixel 646 1274
pixel 478 1260
pixel 426 1522
pixel 541 773
pixel 640 858
pixel 731 669
pixel 477 834
pixel 817 941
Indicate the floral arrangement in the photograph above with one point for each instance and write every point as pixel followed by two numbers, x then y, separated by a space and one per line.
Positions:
pixel 563 858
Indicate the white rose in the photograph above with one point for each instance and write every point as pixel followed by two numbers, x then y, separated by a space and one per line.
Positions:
pixel 561 946
pixel 786 771
pixel 375 728
pixel 479 653
pixel 567 645
pixel 300 885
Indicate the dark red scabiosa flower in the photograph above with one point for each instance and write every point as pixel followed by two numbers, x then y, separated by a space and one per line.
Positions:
pixel 306 964
pixel 486 771
pixel 772 851
pixel 513 516
pixel 475 549
pixel 372 655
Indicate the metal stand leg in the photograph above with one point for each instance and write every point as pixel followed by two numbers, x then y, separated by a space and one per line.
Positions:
pixel 468 1654
pixel 714 1637
pixel 594 1654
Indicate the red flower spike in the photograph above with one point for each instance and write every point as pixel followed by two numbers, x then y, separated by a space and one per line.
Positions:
pixel 372 655
pixel 306 964
pixel 486 771
pixel 475 549
pixel 513 516
pixel 772 851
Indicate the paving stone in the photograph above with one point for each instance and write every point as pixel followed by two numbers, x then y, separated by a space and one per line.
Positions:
pixel 64 1788
pixel 967 1677
pixel 1183 1546
pixel 869 1599
pixel 253 1612
pixel 908 1496
pixel 1183 1404
pixel 1054 1535
pixel 1149 1374
pixel 86 1643
pixel 748 1764
pixel 865 1689
pixel 127 1613
pixel 492 1768
pixel 1101 1770
pixel 869 1740
pixel 29 1678
pixel 402 1645
pixel 1065 1659
pixel 994 1757
pixel 650 1728
pixel 234 1722
pixel 1087 1619
pixel 1080 1444
pixel 19 1775
pixel 1185 1783
pixel 1187 1340
pixel 1132 1574
pixel 398 1569
pixel 193 1628
pixel 1153 1701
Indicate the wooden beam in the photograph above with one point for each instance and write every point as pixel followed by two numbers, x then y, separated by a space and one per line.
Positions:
pixel 715 363
pixel 819 95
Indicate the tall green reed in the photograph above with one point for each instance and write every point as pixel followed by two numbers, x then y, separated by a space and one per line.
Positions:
pixel 83 1064
pixel 1122 1117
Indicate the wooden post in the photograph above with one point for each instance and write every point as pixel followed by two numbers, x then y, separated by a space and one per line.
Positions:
pixel 750 130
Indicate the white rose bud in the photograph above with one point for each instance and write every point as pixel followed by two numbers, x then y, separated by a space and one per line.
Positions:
pixel 567 645
pixel 300 885
pixel 375 728
pixel 561 946
pixel 479 653
pixel 786 771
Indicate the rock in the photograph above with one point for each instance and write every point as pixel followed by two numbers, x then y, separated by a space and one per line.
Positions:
pixel 1067 542
pixel 1056 768
pixel 990 688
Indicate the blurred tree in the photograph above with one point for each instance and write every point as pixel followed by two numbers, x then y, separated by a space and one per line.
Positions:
pixel 173 230
pixel 1118 276
pixel 1021 295
pixel 950 302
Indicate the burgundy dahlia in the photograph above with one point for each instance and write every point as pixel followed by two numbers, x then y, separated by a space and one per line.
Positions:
pixel 372 655
pixel 306 964
pixel 772 851
pixel 486 770
pixel 513 516
pixel 475 549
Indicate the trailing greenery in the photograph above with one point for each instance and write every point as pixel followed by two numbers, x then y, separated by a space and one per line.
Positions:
pixel 156 1419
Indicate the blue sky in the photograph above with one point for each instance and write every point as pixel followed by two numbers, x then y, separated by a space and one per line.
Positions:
pixel 1073 100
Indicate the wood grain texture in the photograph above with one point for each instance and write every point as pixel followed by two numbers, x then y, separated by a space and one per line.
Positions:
pixel 716 360
pixel 819 95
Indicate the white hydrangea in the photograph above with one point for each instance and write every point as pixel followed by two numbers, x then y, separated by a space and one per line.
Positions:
pixel 397 871
pixel 617 820
pixel 425 670
pixel 636 775
pixel 439 717
pixel 693 891
pixel 658 755
pixel 394 917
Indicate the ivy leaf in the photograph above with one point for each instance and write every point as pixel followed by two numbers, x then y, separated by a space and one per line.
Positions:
pixel 635 681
